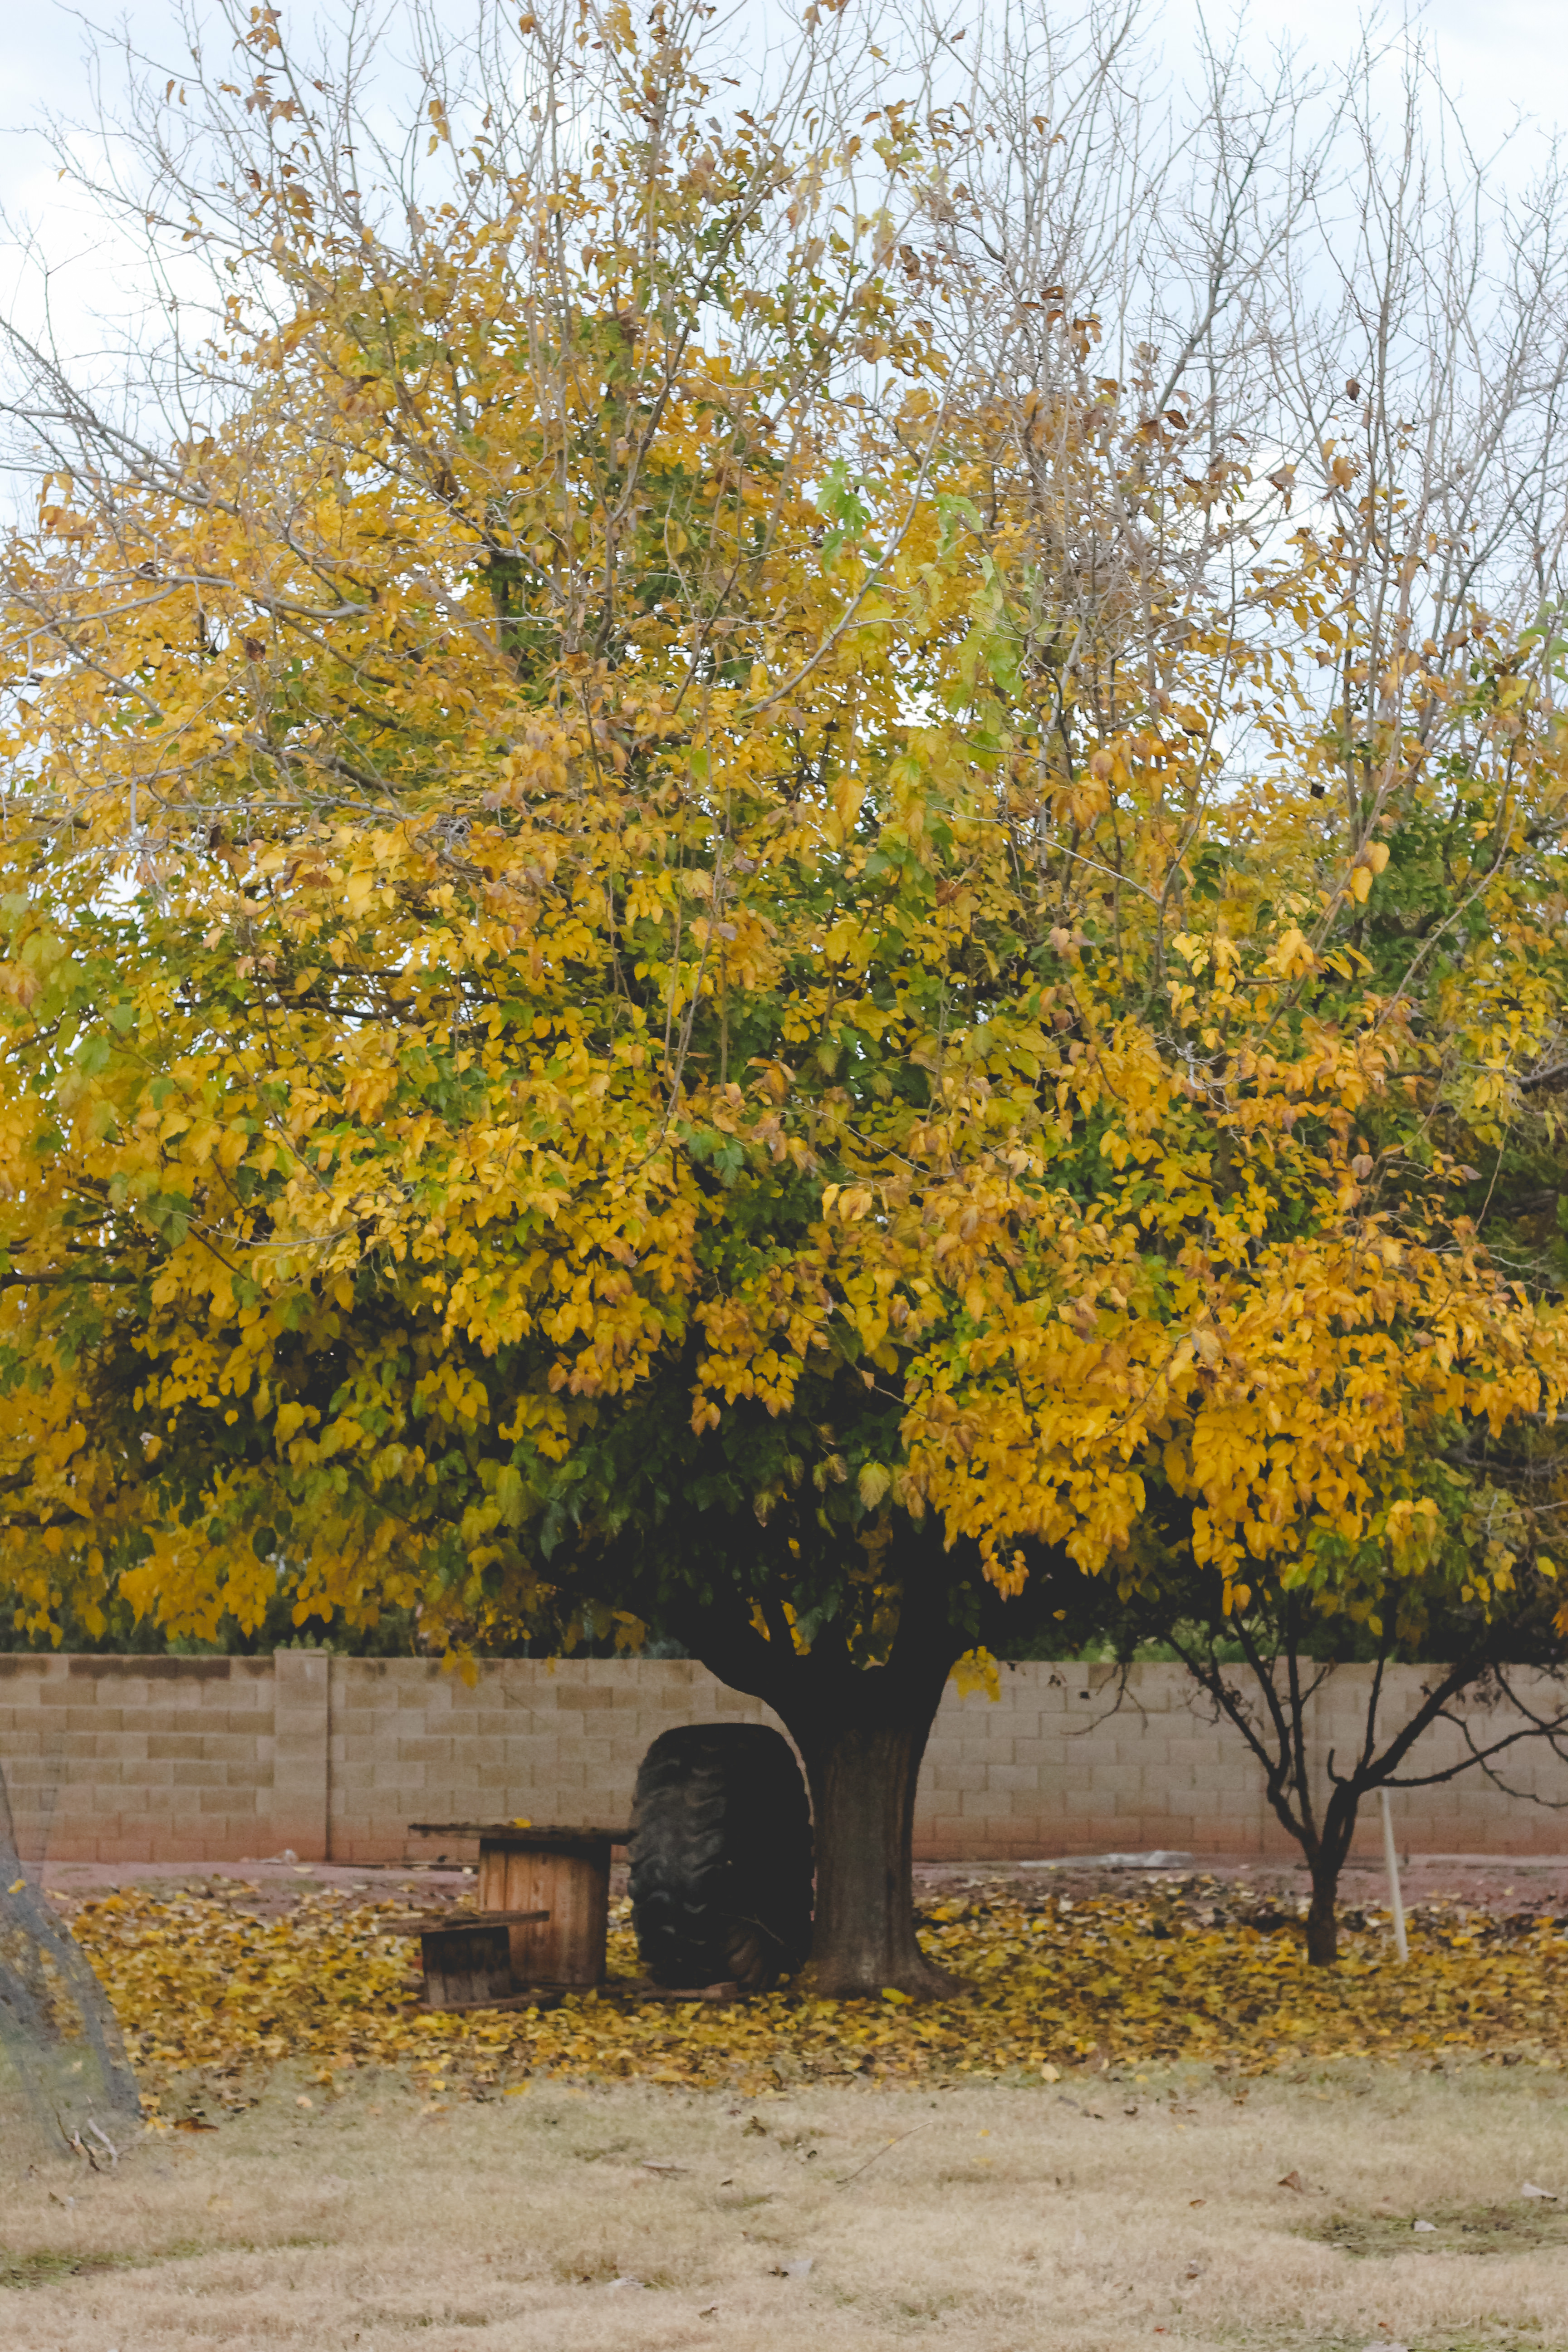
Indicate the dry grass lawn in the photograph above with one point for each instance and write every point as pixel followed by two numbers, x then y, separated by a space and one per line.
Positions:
pixel 1084 2217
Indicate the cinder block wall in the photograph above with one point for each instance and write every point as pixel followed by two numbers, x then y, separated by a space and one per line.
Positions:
pixel 139 1759
pixel 553 1743
pixel 131 1760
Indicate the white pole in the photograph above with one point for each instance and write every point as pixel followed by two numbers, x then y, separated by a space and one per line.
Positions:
pixel 1391 1864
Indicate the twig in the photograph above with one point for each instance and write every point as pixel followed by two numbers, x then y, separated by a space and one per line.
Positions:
pixel 882 2151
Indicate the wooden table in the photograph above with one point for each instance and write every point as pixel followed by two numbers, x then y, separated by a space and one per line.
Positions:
pixel 561 1871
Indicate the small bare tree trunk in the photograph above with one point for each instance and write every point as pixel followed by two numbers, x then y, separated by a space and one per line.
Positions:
pixel 1325 1854
pixel 1322 1915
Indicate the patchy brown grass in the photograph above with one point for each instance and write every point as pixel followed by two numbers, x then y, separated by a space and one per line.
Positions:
pixel 1096 2214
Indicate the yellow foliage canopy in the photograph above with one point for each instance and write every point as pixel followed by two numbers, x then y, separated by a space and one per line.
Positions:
pixel 627 881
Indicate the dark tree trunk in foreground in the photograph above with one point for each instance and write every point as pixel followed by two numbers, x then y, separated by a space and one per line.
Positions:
pixel 861 1732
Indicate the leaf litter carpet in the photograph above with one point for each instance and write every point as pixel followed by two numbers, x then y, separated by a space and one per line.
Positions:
pixel 1182 1969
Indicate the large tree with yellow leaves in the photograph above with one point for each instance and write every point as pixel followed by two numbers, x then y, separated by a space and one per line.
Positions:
pixel 642 984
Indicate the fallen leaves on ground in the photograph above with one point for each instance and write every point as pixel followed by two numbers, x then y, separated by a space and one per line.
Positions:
pixel 1185 1969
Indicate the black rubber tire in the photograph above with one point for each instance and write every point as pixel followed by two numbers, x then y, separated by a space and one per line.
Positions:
pixel 720 1857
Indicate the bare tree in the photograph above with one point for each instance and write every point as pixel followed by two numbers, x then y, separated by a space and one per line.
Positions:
pixel 1270 1669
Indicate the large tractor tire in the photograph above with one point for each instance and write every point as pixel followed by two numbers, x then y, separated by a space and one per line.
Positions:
pixel 720 1857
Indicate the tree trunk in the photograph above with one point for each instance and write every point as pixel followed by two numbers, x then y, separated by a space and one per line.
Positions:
pixel 861 1731
pixel 1325 1860
pixel 1322 1916
pixel 863 1779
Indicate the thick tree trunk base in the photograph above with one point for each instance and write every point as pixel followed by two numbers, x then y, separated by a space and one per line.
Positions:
pixel 919 1979
pixel 861 1731
pixel 864 1941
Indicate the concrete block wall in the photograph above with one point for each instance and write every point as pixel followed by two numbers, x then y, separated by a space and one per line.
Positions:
pixel 301 1746
pixel 1056 1766
pixel 131 1760
pixel 552 1741
pixel 138 1759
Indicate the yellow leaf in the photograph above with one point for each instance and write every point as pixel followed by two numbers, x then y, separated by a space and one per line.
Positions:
pixel 873 1482
pixel 976 1671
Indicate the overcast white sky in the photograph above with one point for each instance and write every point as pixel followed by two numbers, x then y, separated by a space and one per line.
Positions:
pixel 1500 58
pixel 1504 56
pixel 1504 53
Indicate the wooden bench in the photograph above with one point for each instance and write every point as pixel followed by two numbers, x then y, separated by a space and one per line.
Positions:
pixel 468 1956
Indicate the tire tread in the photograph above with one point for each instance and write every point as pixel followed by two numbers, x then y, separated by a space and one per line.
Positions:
pixel 720 1857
